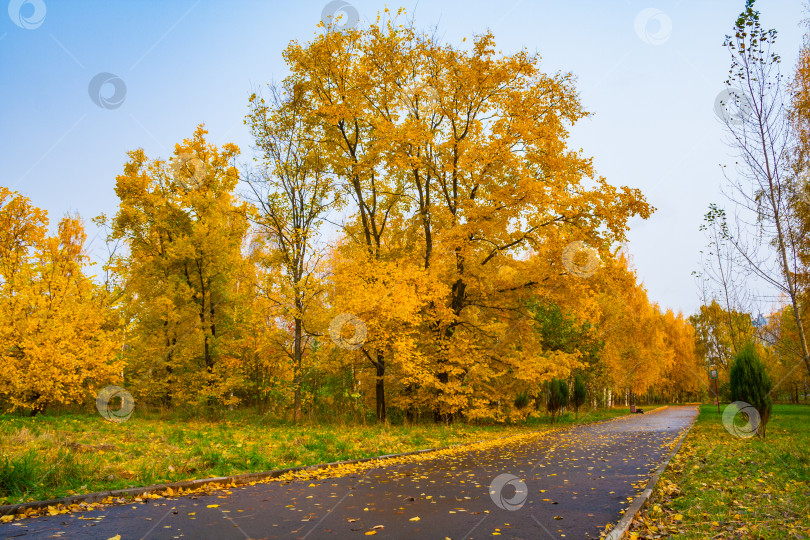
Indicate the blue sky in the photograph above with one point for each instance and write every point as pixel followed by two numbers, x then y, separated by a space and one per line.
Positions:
pixel 649 71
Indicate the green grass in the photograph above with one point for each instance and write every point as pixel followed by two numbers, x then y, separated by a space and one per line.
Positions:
pixel 721 486
pixel 55 455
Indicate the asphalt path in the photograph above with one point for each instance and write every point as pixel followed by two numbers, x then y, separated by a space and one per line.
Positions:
pixel 566 484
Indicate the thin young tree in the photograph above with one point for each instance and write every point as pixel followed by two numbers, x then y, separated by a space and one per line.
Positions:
pixel 722 274
pixel 293 192
pixel 765 234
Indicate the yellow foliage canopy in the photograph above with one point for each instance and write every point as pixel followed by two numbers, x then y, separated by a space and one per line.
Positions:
pixel 55 344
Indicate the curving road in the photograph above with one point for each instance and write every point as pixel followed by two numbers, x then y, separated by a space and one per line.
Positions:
pixel 565 484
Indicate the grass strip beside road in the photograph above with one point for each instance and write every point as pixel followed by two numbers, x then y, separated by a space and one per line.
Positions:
pixel 52 456
pixel 724 487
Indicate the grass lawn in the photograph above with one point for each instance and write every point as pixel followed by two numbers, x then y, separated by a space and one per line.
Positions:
pixel 50 456
pixel 722 487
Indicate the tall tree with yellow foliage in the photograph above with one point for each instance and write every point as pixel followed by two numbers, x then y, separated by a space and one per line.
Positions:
pixel 185 231
pixel 457 158
pixel 55 344
pixel 294 193
pixel 635 351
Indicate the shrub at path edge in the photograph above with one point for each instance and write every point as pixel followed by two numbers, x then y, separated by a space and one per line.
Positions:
pixel 750 383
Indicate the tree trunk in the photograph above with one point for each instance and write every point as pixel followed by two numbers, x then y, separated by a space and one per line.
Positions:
pixel 170 343
pixel 410 412
pixel 380 387
pixel 458 295
pixel 297 366
pixel 36 408
pixel 792 292
pixel 438 415
pixel 209 359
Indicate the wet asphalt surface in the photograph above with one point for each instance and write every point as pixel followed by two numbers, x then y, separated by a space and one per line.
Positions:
pixel 576 481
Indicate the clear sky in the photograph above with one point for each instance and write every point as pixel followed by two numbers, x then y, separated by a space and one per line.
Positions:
pixel 649 71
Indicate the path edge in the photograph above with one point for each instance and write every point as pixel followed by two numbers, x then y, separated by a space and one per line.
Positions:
pixel 239 479
pixel 222 481
pixel 623 525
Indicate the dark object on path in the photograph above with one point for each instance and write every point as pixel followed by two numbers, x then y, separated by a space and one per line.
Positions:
pixel 640 411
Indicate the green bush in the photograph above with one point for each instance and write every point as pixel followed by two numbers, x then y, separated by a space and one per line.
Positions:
pixel 521 400
pixel 749 382
pixel 557 396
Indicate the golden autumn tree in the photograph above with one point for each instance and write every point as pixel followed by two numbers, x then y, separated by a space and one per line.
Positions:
pixel 781 350
pixel 185 231
pixel 686 373
pixel 379 308
pixel 261 369
pixel 327 76
pixel 632 327
pixel 55 344
pixel 719 334
pixel 294 193
pixel 457 159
